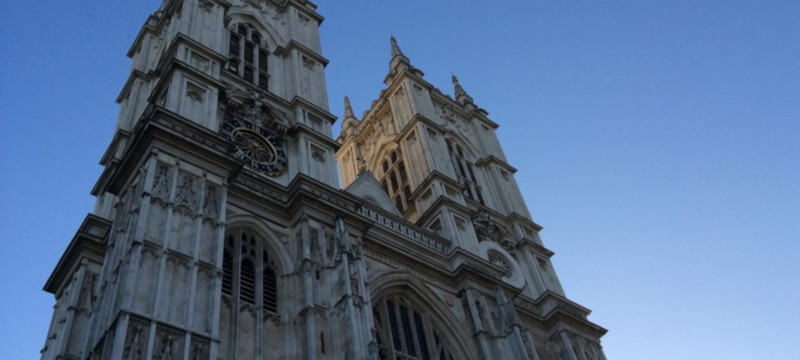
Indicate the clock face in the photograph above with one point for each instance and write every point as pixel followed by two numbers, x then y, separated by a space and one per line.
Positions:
pixel 256 147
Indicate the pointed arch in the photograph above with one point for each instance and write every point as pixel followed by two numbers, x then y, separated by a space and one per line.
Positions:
pixel 399 283
pixel 470 151
pixel 386 146
pixel 252 259
pixel 279 254
pixel 390 167
pixel 463 159
pixel 251 47
pixel 248 15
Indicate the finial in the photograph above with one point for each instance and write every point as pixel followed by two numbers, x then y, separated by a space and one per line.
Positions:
pixel 348 110
pixel 395 49
pixel 461 96
pixel 458 89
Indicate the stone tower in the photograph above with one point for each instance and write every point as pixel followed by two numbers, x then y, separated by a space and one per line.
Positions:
pixel 220 231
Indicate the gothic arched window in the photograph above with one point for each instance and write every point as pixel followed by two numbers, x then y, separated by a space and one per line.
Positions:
pixel 395 180
pixel 465 172
pixel 248 56
pixel 246 276
pixel 404 331
pixel 249 295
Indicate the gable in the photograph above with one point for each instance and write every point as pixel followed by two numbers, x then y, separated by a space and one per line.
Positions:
pixel 367 188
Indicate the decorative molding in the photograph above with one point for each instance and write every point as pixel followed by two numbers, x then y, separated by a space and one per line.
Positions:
pixel 272 317
pixel 161 183
pixel 251 106
pixel 211 203
pixel 307 311
pixel 206 5
pixel 439 245
pixel 188 194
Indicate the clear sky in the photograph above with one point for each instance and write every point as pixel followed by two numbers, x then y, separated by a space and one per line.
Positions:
pixel 657 142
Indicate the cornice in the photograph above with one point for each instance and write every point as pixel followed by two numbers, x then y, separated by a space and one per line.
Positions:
pixel 299 128
pixel 491 159
pixel 297 101
pixel 417 119
pixel 170 129
pixel 135 74
pixel 89 241
pixel 478 114
pixel 294 45
pixel 110 153
pixel 514 216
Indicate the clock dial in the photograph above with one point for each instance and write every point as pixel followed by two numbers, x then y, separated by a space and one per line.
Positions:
pixel 256 147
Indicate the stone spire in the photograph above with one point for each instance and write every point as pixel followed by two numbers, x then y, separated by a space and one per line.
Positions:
pixel 395 49
pixel 459 91
pixel 350 122
pixel 399 63
pixel 348 110
pixel 461 96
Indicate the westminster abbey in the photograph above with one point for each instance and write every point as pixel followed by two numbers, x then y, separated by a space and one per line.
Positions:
pixel 232 225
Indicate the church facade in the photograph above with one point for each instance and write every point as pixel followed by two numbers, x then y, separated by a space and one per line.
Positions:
pixel 221 231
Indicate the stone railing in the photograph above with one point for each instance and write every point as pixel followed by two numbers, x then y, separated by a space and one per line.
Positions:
pixel 439 245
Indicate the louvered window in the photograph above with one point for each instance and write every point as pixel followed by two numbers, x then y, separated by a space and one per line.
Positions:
pixel 248 56
pixel 406 332
pixel 269 284
pixel 395 181
pixel 249 278
pixel 249 292
pixel 465 172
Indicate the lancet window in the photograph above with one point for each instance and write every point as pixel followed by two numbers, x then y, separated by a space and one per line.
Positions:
pixel 248 55
pixel 404 332
pixel 395 180
pixel 465 172
pixel 247 272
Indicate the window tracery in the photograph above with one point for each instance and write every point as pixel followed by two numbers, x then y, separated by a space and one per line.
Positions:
pixel 404 331
pixel 246 276
pixel 395 180
pixel 465 171
pixel 249 56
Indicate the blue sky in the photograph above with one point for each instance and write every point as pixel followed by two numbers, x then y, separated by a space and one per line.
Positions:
pixel 657 142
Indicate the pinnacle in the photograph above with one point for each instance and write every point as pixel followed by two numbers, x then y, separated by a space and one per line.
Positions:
pixel 395 49
pixel 348 110
pixel 458 89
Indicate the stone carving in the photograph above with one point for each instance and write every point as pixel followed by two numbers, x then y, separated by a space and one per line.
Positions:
pixel 488 229
pixel 318 156
pixel 386 125
pixel 330 247
pixel 211 202
pixel 206 5
pixel 267 10
pixel 86 296
pixel 166 352
pixel 505 315
pixel 252 107
pixel 498 259
pixel 161 183
pixel 274 318
pixel 188 195
pixel 134 349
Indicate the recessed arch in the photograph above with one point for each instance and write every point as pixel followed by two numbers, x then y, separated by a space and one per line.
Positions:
pixel 392 283
pixel 279 254
pixel 248 15
pixel 384 149
pixel 469 150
